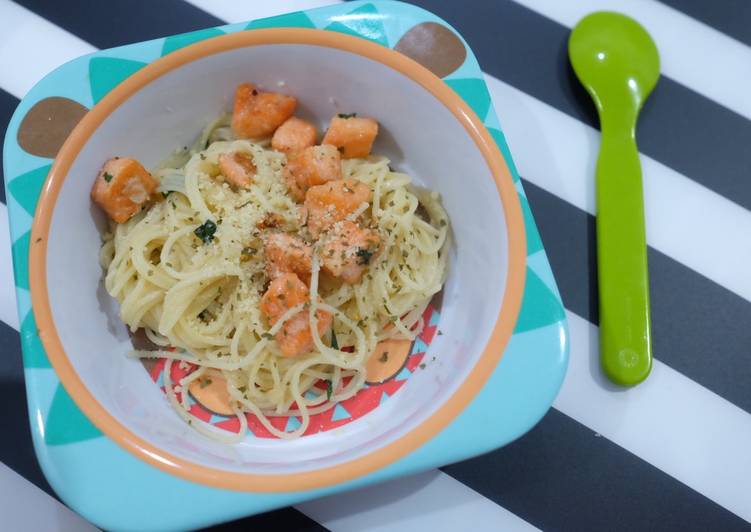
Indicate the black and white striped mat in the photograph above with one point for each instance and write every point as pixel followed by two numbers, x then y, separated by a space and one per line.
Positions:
pixel 673 453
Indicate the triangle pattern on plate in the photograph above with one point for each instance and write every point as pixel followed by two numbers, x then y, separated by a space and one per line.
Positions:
pixel 365 22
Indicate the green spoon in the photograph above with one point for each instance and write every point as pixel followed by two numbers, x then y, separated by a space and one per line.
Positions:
pixel 617 62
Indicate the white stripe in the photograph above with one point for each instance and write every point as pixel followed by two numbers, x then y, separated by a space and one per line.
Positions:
pixel 31 47
pixel 233 11
pixel 26 507
pixel 8 312
pixel 669 420
pixel 691 53
pixel 685 220
pixel 428 501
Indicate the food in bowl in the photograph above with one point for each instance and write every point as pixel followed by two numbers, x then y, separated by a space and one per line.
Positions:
pixel 277 271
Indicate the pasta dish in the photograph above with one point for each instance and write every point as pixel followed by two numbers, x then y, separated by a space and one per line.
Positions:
pixel 270 265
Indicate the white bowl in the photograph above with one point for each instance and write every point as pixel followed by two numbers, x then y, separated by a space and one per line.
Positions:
pixel 426 130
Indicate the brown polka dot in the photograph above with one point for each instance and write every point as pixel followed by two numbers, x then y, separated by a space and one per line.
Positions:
pixel 434 46
pixel 47 124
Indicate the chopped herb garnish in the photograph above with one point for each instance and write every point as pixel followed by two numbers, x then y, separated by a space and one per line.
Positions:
pixel 107 177
pixel 202 156
pixel 334 342
pixel 204 382
pixel 345 115
pixel 249 251
pixel 440 333
pixel 206 231
pixel 329 389
pixel 442 222
pixel 422 366
pixel 267 336
pixel 384 357
pixel 364 255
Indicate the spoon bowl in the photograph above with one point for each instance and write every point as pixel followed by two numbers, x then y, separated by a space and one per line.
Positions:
pixel 617 62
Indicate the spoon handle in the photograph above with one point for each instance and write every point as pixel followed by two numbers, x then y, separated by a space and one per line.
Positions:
pixel 625 332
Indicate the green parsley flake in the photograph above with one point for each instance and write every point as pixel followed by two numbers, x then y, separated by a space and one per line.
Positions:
pixel 364 255
pixel 206 231
pixel 346 115
pixel 329 389
pixel 107 177
pixel 334 342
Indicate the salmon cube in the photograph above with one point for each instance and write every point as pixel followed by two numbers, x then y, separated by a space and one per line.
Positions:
pixel 257 114
pixel 353 136
pixel 347 250
pixel 122 187
pixel 284 292
pixel 286 253
pixel 237 168
pixel 333 201
pixel 315 165
pixel 294 135
pixel 295 337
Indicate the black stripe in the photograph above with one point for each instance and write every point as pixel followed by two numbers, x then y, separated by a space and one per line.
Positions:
pixel 16 449
pixel 281 520
pixel 117 22
pixel 8 104
pixel 562 476
pixel 699 328
pixel 732 17
pixel 678 127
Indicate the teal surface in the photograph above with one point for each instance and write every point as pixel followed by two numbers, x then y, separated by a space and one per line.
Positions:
pixel 116 490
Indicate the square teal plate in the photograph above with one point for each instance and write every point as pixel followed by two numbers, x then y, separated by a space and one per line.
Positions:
pixel 113 488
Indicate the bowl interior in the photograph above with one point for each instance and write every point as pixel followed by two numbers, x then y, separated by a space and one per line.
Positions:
pixel 419 134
